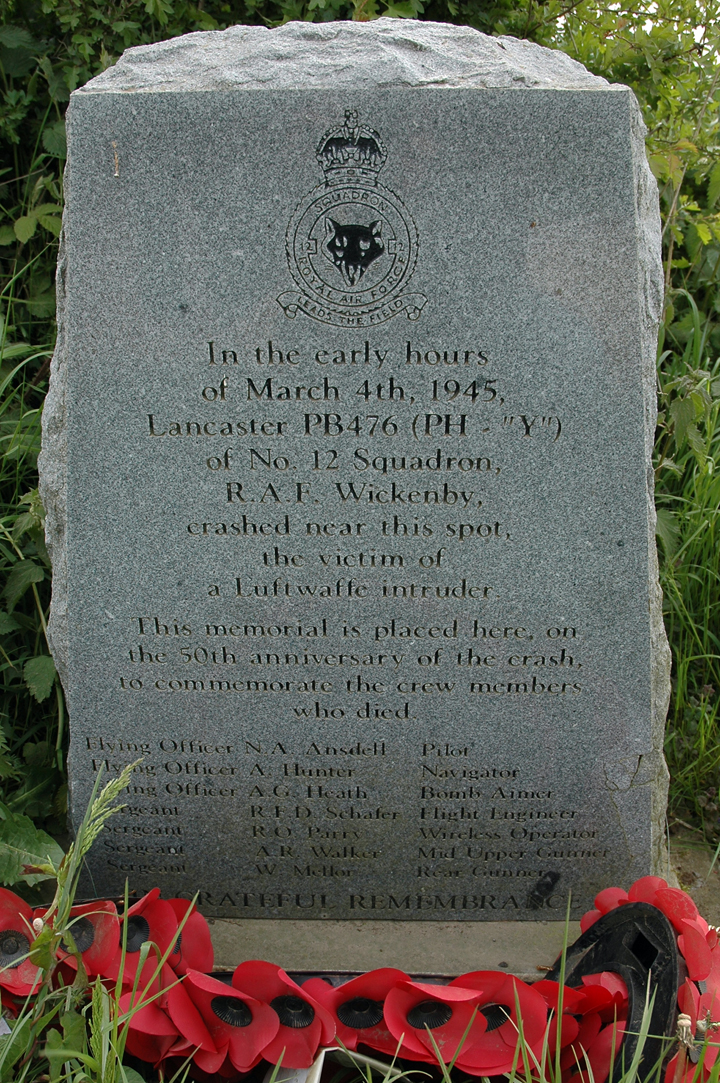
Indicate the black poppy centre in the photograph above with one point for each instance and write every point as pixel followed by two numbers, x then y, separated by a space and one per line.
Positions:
pixel 13 946
pixel 496 1015
pixel 360 1013
pixel 429 1013
pixel 231 1010
pixel 293 1011
pixel 82 931
pixel 138 932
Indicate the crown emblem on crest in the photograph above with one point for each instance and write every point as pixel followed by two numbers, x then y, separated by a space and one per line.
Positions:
pixel 351 244
pixel 350 152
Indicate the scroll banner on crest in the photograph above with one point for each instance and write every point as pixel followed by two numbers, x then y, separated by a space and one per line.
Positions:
pixel 292 302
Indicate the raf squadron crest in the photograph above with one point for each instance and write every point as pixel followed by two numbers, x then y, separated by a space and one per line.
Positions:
pixel 351 244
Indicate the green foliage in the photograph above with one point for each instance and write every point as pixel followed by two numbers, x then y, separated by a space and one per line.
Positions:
pixel 24 847
pixel 666 50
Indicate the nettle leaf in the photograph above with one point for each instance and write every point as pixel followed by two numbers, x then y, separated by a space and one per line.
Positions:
pixel 658 164
pixel 17 47
pixel 9 768
pixel 17 62
pixel 57 86
pixel 36 753
pixel 682 412
pixel 39 674
pixel 668 531
pixel 7 624
pixel 21 576
pixel 23 523
pixel 35 504
pixel 704 232
pixel 74 1029
pixel 695 440
pixel 14 37
pixel 701 398
pixel 7 235
pixel 22 843
pixel 51 222
pixel 58 1051
pixel 42 305
pixel 54 140
pixel 25 227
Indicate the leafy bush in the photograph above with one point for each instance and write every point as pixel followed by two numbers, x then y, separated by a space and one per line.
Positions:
pixel 666 50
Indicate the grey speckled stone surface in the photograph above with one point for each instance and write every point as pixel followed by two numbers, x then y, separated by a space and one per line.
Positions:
pixel 346 465
pixel 344 56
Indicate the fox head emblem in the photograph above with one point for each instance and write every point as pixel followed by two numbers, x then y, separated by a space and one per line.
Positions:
pixel 352 248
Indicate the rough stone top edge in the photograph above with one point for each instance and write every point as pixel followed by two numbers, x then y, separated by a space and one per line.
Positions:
pixel 343 55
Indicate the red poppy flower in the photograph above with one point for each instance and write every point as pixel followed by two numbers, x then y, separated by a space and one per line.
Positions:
pixel 221 1021
pixel 643 890
pixel 675 905
pixel 588 920
pixel 150 1031
pixel 590 1027
pixel 304 1024
pixel 603 1009
pixel 573 1000
pixel 210 1065
pixel 189 1021
pixel 689 1000
pixel 17 974
pixel 605 993
pixel 573 1003
pixel 95 928
pixel 501 997
pixel 646 888
pixel 712 982
pixel 694 947
pixel 357 1007
pixel 412 1009
pixel 610 898
pixel 193 948
pixel 599 1055
pixel 149 919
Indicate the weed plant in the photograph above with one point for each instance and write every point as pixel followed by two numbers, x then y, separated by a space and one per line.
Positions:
pixel 667 50
pixel 76 1032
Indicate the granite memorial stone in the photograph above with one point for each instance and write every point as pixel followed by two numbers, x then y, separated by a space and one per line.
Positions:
pixel 347 474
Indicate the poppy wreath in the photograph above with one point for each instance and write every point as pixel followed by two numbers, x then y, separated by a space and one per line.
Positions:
pixel 178 1012
pixel 699 993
